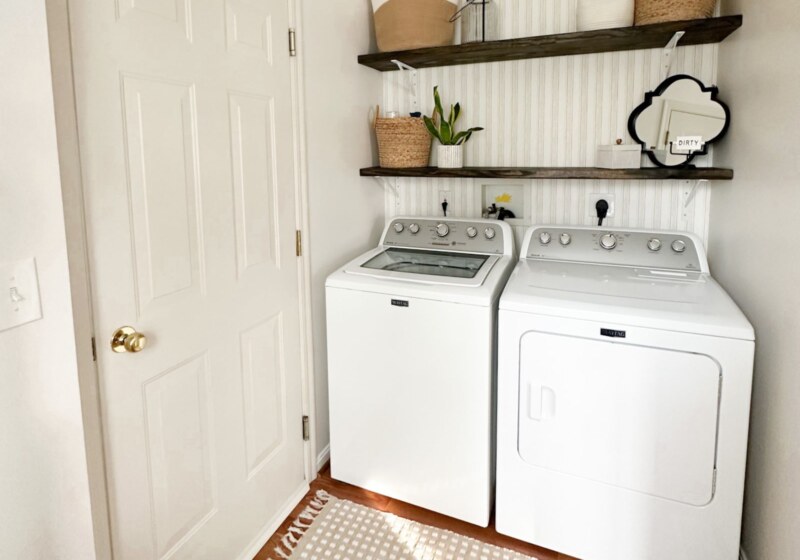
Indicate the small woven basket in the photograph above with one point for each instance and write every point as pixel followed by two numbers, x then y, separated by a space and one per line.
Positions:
pixel 403 142
pixel 660 11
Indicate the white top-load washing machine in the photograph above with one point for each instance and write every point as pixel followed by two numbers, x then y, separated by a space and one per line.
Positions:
pixel 411 363
pixel 624 396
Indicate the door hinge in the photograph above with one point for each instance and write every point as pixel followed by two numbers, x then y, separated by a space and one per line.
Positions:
pixel 298 243
pixel 94 350
pixel 292 42
pixel 306 429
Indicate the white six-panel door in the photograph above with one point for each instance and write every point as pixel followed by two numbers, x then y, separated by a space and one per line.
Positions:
pixel 186 136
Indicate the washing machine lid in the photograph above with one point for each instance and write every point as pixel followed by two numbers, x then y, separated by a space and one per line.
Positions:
pixel 673 300
pixel 423 266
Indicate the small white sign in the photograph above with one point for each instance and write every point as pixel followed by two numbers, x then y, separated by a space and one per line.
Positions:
pixel 688 144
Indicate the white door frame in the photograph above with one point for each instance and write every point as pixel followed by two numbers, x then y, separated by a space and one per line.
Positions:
pixel 81 289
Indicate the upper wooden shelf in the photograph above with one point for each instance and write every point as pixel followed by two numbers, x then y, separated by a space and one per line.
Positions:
pixel 645 173
pixel 698 32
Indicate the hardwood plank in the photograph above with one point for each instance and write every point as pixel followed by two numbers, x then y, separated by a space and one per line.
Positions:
pixel 698 32
pixel 645 173
pixel 407 511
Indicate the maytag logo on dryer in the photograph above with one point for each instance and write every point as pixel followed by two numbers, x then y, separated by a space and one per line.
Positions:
pixel 399 303
pixel 613 333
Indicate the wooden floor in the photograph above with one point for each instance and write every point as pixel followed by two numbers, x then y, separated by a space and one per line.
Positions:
pixel 402 509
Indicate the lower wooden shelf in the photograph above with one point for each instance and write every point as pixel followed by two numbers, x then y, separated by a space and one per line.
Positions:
pixel 647 173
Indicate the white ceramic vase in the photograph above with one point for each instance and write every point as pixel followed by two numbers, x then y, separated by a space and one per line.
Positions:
pixel 451 157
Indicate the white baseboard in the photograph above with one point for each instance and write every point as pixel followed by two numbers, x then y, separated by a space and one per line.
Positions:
pixel 269 529
pixel 742 554
pixel 323 457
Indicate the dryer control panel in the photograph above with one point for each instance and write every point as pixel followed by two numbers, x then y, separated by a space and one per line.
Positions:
pixel 623 247
pixel 447 234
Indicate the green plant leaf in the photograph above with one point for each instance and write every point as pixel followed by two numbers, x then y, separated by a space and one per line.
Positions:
pixel 438 101
pixel 446 133
pixel 429 124
pixel 457 111
pixel 460 138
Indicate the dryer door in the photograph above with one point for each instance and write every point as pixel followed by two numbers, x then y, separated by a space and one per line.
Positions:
pixel 635 417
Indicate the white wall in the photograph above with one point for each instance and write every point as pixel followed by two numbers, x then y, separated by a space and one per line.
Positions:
pixel 755 250
pixel 346 211
pixel 554 112
pixel 44 488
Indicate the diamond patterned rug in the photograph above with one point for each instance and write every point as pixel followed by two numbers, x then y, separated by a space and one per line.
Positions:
pixel 336 529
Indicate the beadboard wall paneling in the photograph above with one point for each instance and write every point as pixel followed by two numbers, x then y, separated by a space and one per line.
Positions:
pixel 553 112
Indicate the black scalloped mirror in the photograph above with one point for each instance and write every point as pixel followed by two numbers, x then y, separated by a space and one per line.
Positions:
pixel 678 121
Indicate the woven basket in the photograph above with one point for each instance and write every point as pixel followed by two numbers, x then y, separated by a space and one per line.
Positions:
pixel 414 24
pixel 403 142
pixel 660 11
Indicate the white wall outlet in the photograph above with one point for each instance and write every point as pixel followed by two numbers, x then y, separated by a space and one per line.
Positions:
pixel 591 202
pixel 19 294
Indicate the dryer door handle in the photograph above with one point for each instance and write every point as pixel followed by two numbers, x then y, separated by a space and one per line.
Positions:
pixel 541 402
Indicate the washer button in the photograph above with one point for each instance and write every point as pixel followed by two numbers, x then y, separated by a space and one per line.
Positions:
pixel 471 232
pixel 545 238
pixel 654 244
pixel 678 246
pixel 565 239
pixel 414 228
pixel 398 227
pixel 489 233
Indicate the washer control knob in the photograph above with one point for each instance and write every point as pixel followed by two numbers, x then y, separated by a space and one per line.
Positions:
pixel 545 238
pixel 654 244
pixel 471 232
pixel 398 227
pixel 608 241
pixel 414 228
pixel 678 246
pixel 565 239
pixel 489 233
pixel 442 230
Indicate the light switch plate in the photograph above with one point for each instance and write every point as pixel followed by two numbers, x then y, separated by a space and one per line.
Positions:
pixel 19 294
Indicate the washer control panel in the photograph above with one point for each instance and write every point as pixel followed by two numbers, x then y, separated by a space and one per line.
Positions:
pixel 479 236
pixel 628 248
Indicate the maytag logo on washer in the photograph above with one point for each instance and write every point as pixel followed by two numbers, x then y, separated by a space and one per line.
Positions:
pixel 399 303
pixel 611 333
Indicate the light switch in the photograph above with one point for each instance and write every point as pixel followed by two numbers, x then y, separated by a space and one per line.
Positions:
pixel 19 294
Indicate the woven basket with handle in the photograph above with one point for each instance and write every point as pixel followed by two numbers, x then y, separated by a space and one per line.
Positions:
pixel 660 11
pixel 403 142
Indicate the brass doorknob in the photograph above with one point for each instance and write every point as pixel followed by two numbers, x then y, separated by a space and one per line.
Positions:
pixel 126 339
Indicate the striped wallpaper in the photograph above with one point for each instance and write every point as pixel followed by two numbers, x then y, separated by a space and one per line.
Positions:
pixel 553 112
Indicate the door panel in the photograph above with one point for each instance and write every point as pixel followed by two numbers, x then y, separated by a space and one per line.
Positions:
pixel 186 131
pixel 630 416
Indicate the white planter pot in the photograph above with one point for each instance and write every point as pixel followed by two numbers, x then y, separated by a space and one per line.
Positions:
pixel 451 157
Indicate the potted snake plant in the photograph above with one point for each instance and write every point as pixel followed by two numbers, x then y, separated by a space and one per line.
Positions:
pixel 443 129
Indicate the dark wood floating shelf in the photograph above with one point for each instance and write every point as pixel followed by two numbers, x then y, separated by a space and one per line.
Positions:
pixel 647 173
pixel 698 32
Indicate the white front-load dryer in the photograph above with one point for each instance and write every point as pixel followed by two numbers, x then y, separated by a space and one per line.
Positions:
pixel 623 399
pixel 411 363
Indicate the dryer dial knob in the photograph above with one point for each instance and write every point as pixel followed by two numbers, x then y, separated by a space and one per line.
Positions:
pixel 489 233
pixel 608 241
pixel 398 227
pixel 414 228
pixel 565 239
pixel 654 244
pixel 442 230
pixel 678 246
pixel 471 232
pixel 545 238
